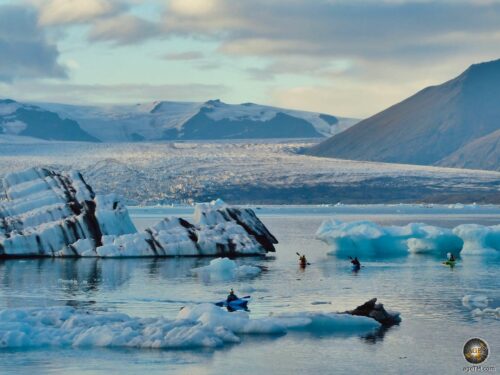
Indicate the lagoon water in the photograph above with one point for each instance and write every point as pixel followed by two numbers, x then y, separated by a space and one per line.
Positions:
pixel 429 339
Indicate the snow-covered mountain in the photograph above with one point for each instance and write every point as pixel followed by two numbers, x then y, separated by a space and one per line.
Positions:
pixel 26 122
pixel 198 121
pixel 452 124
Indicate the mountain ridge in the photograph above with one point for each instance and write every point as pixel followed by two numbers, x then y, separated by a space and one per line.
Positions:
pixel 427 127
pixel 213 119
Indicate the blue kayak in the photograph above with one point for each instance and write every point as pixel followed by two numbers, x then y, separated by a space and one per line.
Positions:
pixel 237 303
pixel 355 267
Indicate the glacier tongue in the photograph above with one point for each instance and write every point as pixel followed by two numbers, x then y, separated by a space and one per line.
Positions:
pixel 58 214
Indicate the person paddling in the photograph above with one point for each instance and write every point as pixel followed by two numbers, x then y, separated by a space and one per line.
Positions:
pixel 355 262
pixel 231 296
pixel 452 258
pixel 303 261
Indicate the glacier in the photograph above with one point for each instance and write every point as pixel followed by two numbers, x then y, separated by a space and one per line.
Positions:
pixel 258 172
pixel 371 239
pixel 57 214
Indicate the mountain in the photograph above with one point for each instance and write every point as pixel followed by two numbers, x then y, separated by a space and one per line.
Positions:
pixel 213 119
pixel 30 121
pixel 481 153
pixel 430 126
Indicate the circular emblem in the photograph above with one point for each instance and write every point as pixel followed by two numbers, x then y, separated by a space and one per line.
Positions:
pixel 476 350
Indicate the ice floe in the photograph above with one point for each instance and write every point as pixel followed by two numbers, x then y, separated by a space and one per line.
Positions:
pixel 195 326
pixel 479 306
pixel 471 300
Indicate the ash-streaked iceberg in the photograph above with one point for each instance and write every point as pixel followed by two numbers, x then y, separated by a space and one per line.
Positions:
pixel 51 214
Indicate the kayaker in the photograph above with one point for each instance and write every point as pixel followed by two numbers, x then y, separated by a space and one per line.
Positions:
pixel 303 261
pixel 231 296
pixel 355 262
pixel 452 258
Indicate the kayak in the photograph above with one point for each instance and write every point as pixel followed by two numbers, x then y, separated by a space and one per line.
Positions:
pixel 450 263
pixel 237 303
pixel 355 268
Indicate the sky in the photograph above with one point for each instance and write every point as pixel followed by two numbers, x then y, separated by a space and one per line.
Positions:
pixel 343 57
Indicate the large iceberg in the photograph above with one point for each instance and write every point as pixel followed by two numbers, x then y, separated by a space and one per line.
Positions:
pixel 47 213
pixel 371 239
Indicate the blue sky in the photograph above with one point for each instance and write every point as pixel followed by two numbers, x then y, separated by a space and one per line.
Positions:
pixel 344 57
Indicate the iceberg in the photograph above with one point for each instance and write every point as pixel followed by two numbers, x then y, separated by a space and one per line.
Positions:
pixel 196 326
pixel 225 269
pixel 479 239
pixel 371 239
pixel 57 214
pixel 368 238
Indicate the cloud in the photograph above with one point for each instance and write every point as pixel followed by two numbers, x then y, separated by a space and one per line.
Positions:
pixel 123 29
pixel 57 12
pixel 189 55
pixel 347 29
pixel 109 93
pixel 24 49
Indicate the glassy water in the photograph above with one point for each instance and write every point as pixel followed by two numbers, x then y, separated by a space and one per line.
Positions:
pixel 429 340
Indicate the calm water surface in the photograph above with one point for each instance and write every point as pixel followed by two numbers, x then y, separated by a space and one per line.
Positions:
pixel 428 341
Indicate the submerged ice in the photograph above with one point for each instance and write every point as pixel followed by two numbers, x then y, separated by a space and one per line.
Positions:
pixel 47 213
pixel 371 239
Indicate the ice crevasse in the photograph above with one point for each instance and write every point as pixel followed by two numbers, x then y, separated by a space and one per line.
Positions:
pixel 57 214
pixel 370 238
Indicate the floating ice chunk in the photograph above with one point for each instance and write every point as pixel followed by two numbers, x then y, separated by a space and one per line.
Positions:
pixel 369 238
pixel 196 326
pixel 471 301
pixel 225 269
pixel 479 306
pixel 487 312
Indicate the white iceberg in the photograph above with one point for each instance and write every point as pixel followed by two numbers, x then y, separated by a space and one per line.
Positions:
pixel 195 326
pixel 58 214
pixel 225 269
